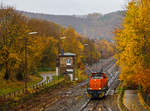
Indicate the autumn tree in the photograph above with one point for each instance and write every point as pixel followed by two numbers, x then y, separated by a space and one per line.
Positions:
pixel 45 28
pixel 42 49
pixel 91 52
pixel 49 54
pixel 106 48
pixel 133 41
pixel 12 27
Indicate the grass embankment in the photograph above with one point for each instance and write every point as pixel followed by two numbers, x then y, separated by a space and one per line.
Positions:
pixel 121 90
pixel 61 82
pixel 55 81
pixel 12 86
pixel 32 93
pixel 81 75
pixel 146 106
pixel 45 70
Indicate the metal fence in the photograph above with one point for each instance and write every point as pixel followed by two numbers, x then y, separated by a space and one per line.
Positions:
pixel 30 89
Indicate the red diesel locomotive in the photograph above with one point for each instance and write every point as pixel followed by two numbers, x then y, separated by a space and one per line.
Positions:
pixel 97 85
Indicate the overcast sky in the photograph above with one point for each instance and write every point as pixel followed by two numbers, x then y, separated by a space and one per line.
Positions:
pixel 67 7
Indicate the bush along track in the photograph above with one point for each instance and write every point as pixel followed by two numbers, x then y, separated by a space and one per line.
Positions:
pixel 31 87
pixel 146 106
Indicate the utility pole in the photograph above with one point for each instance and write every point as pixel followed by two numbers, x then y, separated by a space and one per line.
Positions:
pixel 85 46
pixel 91 56
pixel 101 61
pixel 26 67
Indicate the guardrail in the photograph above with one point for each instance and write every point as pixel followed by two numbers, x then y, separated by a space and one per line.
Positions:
pixel 30 89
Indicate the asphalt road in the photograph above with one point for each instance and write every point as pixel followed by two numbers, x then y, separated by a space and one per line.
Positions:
pixel 44 76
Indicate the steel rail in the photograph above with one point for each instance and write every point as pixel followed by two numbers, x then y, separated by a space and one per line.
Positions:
pixel 97 102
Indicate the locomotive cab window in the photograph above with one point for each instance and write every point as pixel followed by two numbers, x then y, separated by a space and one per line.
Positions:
pixel 97 76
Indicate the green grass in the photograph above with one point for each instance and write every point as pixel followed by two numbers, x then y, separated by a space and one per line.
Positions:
pixel 141 99
pixel 46 69
pixel 12 86
pixel 7 87
pixel 21 99
pixel 34 81
pixel 81 76
pixel 55 81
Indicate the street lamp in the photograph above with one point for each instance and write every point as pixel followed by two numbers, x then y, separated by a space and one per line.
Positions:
pixel 101 52
pixel 86 44
pixel 61 38
pixel 85 51
pixel 97 58
pixel 26 61
pixel 32 33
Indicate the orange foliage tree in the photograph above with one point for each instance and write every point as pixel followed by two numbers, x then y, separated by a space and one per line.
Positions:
pixel 132 43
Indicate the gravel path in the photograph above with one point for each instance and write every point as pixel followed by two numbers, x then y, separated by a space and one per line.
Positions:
pixel 70 100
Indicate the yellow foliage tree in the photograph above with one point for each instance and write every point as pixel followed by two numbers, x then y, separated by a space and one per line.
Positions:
pixel 133 41
pixel 12 27
pixel 106 48
pixel 42 49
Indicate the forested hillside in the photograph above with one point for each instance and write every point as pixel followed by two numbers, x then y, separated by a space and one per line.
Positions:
pixel 41 50
pixel 93 25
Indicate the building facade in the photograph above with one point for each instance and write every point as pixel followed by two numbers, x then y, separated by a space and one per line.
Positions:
pixel 67 64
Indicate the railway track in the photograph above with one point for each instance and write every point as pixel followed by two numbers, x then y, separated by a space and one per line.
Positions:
pixel 102 65
pixel 99 104
pixel 95 105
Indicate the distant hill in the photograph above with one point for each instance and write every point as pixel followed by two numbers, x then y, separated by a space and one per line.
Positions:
pixel 93 25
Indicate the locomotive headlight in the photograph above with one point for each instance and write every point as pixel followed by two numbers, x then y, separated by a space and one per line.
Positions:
pixel 99 88
pixel 89 88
